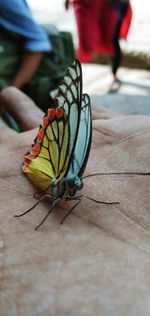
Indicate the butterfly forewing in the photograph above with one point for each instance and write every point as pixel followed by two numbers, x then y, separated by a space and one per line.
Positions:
pixel 69 98
pixel 51 162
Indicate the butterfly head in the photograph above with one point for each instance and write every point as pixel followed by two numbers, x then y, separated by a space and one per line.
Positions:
pixel 66 187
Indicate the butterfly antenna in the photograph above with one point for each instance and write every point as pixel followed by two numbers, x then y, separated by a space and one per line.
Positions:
pixel 50 210
pixel 30 209
pixel 101 202
pixel 69 212
pixel 117 173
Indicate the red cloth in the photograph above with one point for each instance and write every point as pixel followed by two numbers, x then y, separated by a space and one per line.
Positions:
pixel 96 24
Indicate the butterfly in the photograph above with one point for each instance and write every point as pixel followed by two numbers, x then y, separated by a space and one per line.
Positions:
pixel 60 151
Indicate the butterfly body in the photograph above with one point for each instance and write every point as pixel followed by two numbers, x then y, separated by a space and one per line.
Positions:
pixel 66 188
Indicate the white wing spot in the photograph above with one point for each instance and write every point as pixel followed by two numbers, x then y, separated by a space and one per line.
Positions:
pixel 74 90
pixel 68 80
pixel 73 73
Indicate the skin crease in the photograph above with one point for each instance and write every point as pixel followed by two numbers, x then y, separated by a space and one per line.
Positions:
pixel 97 262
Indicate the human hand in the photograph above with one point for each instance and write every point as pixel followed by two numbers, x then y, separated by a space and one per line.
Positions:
pixel 100 256
pixel 21 108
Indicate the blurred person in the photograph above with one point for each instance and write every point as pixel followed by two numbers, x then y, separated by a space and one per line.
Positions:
pixel 33 58
pixel 17 23
pixel 100 25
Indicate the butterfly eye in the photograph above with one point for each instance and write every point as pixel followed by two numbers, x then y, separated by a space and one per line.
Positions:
pixel 79 184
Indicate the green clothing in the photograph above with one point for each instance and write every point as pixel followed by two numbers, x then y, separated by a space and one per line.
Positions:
pixel 50 72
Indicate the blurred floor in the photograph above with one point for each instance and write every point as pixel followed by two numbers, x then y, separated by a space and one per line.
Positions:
pixel 133 96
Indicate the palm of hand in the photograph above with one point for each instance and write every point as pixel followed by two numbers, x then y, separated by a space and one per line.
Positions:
pixel 101 252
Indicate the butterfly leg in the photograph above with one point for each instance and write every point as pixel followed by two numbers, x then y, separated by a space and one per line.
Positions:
pixel 37 195
pixel 30 209
pixel 50 210
pixel 68 213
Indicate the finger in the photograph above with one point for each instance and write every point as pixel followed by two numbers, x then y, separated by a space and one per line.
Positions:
pixel 26 139
pixel 21 107
pixel 3 124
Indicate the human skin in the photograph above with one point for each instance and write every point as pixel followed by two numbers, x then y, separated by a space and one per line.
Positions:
pixel 29 64
pixel 21 107
pixel 97 262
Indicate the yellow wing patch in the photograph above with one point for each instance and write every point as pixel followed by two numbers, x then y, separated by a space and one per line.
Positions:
pixel 48 160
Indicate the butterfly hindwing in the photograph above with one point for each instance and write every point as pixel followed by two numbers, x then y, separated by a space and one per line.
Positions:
pixel 83 143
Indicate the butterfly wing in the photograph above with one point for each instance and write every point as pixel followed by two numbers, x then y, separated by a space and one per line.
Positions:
pixel 48 160
pixel 69 98
pixel 52 152
pixel 83 143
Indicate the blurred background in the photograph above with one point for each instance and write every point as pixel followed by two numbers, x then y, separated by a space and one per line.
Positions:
pixel 133 96
pixel 52 11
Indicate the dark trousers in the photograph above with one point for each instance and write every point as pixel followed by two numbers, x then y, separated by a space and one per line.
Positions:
pixel 116 59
